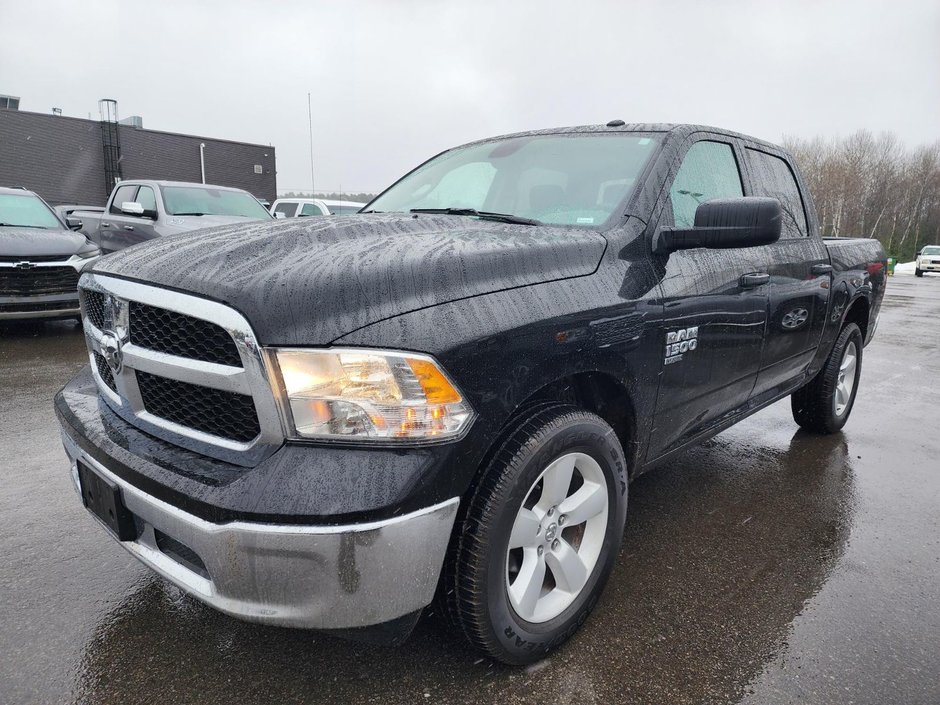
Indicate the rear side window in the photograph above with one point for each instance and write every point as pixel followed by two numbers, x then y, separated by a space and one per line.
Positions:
pixel 122 195
pixel 311 209
pixel 773 177
pixel 288 209
pixel 708 171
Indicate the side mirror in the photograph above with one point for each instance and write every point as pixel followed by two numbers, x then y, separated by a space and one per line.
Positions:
pixel 278 215
pixel 726 223
pixel 132 208
pixel 73 223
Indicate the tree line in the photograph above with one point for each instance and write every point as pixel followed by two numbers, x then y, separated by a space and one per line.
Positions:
pixel 868 186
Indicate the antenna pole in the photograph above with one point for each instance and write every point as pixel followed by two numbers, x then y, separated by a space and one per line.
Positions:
pixel 310 127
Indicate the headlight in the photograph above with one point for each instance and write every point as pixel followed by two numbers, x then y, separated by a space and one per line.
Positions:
pixel 369 394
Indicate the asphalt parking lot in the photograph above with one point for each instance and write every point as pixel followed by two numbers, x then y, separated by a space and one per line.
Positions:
pixel 769 566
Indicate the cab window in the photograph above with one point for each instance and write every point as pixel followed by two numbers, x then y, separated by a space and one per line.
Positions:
pixel 311 209
pixel 773 177
pixel 288 209
pixel 708 171
pixel 122 195
pixel 146 198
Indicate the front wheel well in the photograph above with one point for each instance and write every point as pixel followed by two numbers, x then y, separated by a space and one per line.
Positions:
pixel 601 394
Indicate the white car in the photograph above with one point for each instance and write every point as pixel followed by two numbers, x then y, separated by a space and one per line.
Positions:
pixel 297 207
pixel 928 260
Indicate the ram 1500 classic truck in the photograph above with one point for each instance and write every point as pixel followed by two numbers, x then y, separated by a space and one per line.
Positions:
pixel 322 423
pixel 142 210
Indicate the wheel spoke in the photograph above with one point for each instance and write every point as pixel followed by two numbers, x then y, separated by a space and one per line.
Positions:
pixel 556 481
pixel 568 569
pixel 527 587
pixel 849 367
pixel 525 529
pixel 587 502
pixel 840 395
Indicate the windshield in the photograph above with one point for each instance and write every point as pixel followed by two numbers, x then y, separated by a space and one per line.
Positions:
pixel 343 210
pixel 26 211
pixel 194 200
pixel 576 179
pixel 931 251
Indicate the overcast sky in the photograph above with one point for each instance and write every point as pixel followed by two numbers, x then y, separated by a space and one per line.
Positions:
pixel 395 82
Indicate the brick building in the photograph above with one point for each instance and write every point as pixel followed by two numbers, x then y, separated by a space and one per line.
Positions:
pixel 72 160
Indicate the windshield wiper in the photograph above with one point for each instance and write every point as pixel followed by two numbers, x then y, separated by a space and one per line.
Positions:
pixel 189 214
pixel 483 215
pixel 22 225
pixel 369 211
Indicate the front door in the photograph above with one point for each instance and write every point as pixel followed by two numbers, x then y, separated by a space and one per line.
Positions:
pixel 713 325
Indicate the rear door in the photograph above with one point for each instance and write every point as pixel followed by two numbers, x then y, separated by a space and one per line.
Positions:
pixel 799 277
pixel 713 325
pixel 289 210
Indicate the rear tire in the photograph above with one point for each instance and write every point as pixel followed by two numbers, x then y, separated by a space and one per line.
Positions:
pixel 520 550
pixel 823 405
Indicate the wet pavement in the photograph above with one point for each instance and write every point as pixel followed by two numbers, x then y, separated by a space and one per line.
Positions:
pixel 768 566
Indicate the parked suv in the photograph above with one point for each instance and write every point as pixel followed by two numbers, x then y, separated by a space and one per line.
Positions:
pixel 41 257
pixel 324 423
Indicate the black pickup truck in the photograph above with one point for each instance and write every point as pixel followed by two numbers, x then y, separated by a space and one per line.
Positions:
pixel 324 423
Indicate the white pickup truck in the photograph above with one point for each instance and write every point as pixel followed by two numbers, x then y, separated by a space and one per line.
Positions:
pixel 142 210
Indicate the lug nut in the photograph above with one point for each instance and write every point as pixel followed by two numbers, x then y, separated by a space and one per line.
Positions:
pixel 541 550
pixel 555 544
pixel 551 510
pixel 562 519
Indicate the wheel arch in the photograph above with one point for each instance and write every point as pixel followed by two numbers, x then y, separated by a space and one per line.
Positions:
pixel 858 312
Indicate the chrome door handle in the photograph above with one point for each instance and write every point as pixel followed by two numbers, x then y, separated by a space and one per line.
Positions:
pixel 106 225
pixel 821 269
pixel 128 227
pixel 752 280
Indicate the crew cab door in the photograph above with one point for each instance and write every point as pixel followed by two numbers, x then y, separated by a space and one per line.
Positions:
pixel 713 317
pixel 800 277
pixel 119 229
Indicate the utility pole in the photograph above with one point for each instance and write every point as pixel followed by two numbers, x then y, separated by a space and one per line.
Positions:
pixel 310 127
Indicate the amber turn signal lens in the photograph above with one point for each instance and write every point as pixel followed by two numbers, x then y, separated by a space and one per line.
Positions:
pixel 436 387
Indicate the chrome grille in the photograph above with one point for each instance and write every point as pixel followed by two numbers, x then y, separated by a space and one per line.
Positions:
pixel 104 371
pixel 93 307
pixel 178 334
pixel 213 411
pixel 182 368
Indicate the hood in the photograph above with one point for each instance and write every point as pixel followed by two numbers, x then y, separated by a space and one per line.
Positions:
pixel 185 223
pixel 36 242
pixel 308 281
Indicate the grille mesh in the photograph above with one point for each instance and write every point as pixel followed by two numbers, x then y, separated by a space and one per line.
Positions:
pixel 212 411
pixel 178 334
pixel 104 372
pixel 93 302
pixel 37 280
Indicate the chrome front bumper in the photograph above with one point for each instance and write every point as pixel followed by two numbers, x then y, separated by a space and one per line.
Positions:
pixel 316 577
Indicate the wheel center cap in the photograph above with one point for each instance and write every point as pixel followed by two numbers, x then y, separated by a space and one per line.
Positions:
pixel 550 532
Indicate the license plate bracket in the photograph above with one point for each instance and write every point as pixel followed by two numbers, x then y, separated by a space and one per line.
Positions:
pixel 102 497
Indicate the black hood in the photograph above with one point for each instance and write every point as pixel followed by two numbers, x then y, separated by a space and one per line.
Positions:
pixel 308 281
pixel 38 242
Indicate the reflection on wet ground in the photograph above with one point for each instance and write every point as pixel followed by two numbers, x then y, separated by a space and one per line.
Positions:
pixel 768 565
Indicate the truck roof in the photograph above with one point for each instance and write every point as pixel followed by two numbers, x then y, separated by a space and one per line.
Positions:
pixel 678 129
pixel 162 182
pixel 326 201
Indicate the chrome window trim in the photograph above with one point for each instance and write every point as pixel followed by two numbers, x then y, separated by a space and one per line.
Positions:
pixel 250 379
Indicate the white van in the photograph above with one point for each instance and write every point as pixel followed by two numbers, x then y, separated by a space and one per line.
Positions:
pixel 296 207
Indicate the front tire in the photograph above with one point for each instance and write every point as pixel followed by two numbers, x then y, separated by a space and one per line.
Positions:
pixel 539 536
pixel 918 272
pixel 823 405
